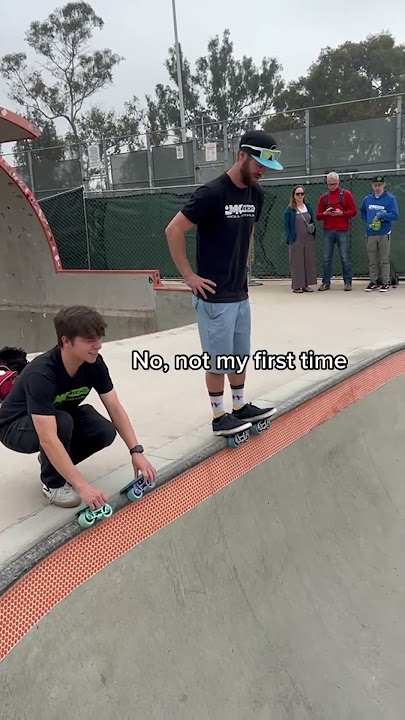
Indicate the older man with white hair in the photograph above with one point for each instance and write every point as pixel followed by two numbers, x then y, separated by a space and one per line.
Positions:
pixel 335 208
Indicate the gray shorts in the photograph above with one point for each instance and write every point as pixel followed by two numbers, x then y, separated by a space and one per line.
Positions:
pixel 224 329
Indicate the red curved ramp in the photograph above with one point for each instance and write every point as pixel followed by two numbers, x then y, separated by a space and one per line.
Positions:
pixel 14 127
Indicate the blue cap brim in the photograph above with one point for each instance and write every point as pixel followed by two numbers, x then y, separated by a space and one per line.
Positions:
pixel 273 164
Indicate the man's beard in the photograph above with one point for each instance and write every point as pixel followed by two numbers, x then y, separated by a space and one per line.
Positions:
pixel 246 176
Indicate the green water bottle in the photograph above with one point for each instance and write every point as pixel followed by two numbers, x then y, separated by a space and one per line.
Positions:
pixel 376 225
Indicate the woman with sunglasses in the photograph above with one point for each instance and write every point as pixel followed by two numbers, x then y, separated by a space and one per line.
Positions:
pixel 300 238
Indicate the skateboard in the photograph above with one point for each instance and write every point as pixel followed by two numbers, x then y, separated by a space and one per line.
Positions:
pixel 87 517
pixel 234 441
pixel 135 489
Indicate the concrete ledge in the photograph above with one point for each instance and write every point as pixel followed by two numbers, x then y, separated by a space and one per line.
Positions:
pixel 26 543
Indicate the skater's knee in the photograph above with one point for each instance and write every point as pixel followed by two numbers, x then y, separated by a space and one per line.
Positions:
pixel 108 434
pixel 64 423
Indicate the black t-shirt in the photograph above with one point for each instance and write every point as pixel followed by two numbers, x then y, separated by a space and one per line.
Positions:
pixel 45 386
pixel 225 216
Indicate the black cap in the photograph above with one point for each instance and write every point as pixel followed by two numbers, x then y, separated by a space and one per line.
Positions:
pixel 253 141
pixel 378 179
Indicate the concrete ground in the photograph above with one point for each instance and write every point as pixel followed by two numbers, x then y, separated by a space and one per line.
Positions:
pixel 281 597
pixel 165 407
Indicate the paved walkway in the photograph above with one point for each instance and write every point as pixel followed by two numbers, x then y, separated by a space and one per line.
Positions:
pixel 166 406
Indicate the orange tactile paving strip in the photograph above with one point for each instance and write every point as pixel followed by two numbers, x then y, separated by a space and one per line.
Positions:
pixel 35 594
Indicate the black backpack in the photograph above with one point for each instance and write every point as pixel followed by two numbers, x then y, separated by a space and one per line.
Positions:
pixel 326 195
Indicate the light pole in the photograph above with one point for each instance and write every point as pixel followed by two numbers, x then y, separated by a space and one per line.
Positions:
pixel 179 79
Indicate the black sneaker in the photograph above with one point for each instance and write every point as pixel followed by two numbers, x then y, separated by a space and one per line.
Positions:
pixel 253 413
pixel 229 425
pixel 370 287
pixel 385 288
pixel 323 287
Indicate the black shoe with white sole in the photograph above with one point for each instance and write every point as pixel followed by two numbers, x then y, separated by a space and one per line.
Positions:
pixel 252 413
pixel 228 424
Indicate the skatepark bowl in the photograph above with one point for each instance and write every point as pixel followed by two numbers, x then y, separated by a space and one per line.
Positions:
pixel 266 581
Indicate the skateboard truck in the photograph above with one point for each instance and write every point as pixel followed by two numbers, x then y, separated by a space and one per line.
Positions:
pixel 87 517
pixel 257 428
pixel 136 488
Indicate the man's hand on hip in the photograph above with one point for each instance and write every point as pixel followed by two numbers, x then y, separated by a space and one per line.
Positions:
pixel 198 284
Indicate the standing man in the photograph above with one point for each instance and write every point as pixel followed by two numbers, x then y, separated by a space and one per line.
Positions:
pixel 225 211
pixel 378 211
pixel 335 208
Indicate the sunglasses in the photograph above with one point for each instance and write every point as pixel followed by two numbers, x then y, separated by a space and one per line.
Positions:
pixel 300 193
pixel 265 153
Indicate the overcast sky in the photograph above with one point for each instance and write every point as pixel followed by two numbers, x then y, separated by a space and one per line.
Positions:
pixel 142 31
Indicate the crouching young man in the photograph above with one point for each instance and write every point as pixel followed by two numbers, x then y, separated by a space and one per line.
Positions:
pixel 44 411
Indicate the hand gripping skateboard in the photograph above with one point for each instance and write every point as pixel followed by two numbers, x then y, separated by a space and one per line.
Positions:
pixel 135 489
pixel 87 517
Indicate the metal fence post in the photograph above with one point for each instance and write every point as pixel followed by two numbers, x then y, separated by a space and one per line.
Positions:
pixel 31 171
pixel 150 163
pixel 399 132
pixel 307 144
pixel 226 154
pixel 194 150
pixel 106 166
pixel 86 226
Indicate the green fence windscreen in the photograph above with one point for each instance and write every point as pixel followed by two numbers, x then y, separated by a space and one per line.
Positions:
pixel 128 232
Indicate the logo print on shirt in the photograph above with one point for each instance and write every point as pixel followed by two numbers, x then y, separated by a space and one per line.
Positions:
pixel 239 211
pixel 75 394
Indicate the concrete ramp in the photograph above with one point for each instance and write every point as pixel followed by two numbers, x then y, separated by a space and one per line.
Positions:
pixel 264 582
pixel 35 285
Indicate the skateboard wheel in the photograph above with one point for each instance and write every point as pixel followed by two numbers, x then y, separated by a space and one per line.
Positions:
pixel 86 519
pixel 107 511
pixel 255 430
pixel 232 442
pixel 134 493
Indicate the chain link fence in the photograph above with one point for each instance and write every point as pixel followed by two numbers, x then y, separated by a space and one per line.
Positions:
pixel 127 231
pixel 357 136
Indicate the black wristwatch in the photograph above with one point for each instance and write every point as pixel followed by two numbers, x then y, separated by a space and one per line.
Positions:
pixel 136 449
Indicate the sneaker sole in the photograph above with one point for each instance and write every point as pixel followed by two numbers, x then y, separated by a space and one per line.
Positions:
pixel 234 431
pixel 71 504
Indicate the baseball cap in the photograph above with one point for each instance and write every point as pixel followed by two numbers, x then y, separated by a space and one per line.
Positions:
pixel 378 179
pixel 262 147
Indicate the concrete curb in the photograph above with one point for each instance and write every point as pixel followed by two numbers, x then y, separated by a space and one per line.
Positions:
pixel 18 556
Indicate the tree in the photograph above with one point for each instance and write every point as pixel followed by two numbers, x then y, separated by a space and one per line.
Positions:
pixel 72 75
pixel 221 88
pixel 98 125
pixel 369 69
pixel 163 112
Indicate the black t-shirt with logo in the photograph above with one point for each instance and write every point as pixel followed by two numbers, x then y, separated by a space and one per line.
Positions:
pixel 45 386
pixel 225 216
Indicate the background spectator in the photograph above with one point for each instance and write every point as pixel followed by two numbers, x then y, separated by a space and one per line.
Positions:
pixel 335 208
pixel 378 211
pixel 300 237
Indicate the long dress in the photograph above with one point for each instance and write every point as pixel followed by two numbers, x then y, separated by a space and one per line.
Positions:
pixel 302 254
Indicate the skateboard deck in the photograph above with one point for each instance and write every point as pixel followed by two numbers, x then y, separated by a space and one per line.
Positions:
pixel 234 441
pixel 87 517
pixel 135 489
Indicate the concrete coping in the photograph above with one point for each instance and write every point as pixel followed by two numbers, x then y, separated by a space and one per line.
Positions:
pixel 26 543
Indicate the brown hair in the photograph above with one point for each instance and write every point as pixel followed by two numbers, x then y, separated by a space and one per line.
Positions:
pixel 293 203
pixel 79 320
